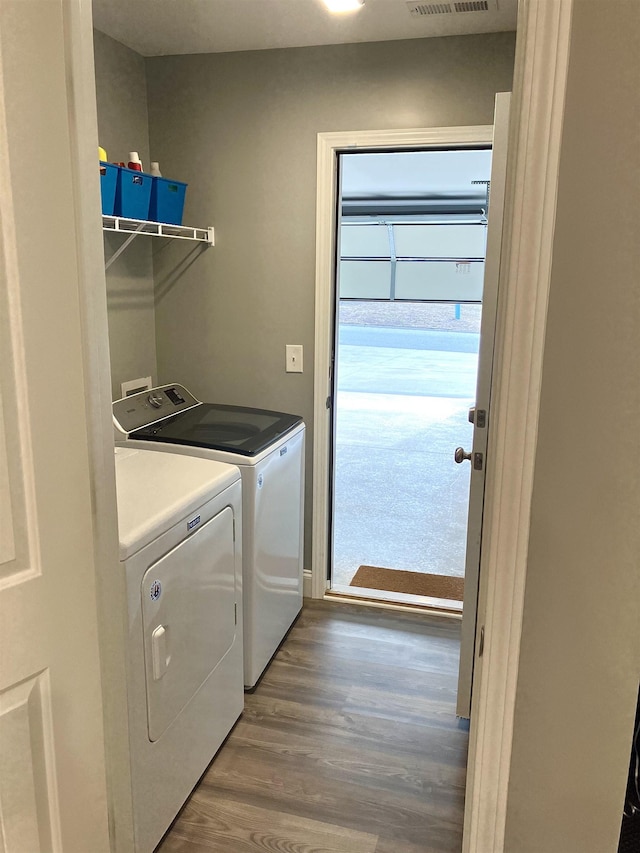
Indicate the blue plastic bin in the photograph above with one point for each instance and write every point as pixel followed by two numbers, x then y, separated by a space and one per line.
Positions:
pixel 133 193
pixel 167 201
pixel 108 181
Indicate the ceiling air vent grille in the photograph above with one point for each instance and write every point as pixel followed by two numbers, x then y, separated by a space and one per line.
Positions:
pixel 420 9
pixel 472 6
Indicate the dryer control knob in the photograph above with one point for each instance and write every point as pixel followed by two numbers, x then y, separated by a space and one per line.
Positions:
pixel 155 399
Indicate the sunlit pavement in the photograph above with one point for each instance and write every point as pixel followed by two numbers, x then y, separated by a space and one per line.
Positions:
pixel 402 406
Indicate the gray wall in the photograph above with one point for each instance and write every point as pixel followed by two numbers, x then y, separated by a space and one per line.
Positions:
pixel 580 658
pixel 121 94
pixel 241 129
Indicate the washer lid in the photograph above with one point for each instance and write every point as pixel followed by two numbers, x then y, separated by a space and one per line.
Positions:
pixel 156 490
pixel 235 429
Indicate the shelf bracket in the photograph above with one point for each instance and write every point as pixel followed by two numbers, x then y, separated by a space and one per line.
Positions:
pixel 122 248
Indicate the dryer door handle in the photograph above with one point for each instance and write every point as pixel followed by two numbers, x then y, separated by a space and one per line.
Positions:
pixel 159 655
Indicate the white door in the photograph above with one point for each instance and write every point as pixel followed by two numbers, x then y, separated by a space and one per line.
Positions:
pixel 52 776
pixel 471 643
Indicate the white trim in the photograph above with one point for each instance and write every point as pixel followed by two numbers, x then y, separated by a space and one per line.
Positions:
pixel 387 605
pixel 111 604
pixel 405 598
pixel 541 71
pixel 307 584
pixel 329 144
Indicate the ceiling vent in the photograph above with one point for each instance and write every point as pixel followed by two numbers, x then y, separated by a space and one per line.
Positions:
pixel 418 10
pixel 421 10
pixel 472 6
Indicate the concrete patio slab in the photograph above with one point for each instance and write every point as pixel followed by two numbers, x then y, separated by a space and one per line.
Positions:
pixel 402 405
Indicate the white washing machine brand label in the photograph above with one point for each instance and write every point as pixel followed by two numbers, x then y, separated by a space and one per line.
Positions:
pixel 260 480
pixel 155 591
pixel 193 523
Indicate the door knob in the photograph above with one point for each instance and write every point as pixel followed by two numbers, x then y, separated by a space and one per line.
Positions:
pixel 461 454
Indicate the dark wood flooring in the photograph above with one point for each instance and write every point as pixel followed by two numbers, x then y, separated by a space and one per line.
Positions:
pixel 350 744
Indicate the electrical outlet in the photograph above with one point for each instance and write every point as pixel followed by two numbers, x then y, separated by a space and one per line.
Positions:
pixel 294 358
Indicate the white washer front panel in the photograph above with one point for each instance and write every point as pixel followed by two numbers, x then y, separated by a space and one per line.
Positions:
pixel 188 618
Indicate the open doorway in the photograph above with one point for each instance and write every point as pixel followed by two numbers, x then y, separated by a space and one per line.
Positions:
pixel 411 245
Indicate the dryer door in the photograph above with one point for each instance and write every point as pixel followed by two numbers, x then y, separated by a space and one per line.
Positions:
pixel 189 618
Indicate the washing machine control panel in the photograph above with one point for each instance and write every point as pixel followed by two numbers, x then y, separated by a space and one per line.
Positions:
pixel 150 406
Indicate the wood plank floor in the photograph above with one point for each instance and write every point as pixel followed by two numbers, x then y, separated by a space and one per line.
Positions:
pixel 350 744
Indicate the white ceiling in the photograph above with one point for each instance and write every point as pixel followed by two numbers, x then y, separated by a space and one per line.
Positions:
pixel 166 27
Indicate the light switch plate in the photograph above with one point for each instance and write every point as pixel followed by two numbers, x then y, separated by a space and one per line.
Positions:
pixel 294 358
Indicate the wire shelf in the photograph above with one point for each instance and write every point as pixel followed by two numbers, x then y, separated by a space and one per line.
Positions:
pixel 135 227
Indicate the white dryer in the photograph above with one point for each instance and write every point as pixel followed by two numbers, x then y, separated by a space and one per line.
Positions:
pixel 180 549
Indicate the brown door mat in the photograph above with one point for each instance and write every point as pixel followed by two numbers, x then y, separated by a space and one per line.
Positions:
pixel 413 583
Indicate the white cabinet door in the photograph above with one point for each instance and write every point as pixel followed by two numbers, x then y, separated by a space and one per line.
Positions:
pixel 52 776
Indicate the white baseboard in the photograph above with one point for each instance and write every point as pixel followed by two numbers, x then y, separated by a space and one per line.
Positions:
pixel 306 584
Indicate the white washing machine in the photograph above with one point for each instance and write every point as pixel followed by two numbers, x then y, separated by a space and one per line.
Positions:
pixel 268 448
pixel 180 548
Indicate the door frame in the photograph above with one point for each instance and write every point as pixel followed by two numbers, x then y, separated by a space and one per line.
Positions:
pixel 111 602
pixel 535 134
pixel 330 146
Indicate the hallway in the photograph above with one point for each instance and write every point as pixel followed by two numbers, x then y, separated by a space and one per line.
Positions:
pixel 350 744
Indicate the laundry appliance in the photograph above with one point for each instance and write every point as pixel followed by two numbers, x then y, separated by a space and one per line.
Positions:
pixel 268 448
pixel 179 522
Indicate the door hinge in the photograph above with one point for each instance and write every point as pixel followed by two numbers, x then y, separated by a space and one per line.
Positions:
pixel 235 612
pixel 478 417
pixel 328 404
pixel 481 642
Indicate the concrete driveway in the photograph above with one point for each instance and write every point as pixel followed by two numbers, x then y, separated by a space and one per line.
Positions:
pixel 402 403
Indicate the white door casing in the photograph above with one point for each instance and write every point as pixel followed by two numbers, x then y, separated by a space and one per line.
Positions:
pixel 329 146
pixel 537 109
pixel 52 783
pixel 471 625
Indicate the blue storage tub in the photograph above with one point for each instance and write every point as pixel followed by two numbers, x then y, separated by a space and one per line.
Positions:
pixel 167 201
pixel 108 181
pixel 133 194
